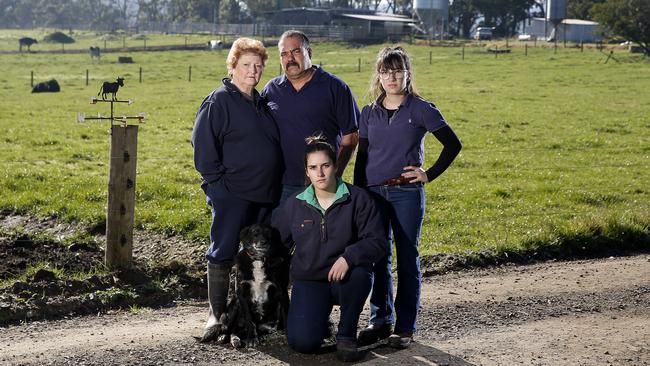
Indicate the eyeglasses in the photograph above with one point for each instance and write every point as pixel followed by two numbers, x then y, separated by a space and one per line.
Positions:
pixel 399 74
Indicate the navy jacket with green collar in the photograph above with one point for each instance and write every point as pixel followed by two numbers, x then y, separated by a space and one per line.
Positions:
pixel 351 227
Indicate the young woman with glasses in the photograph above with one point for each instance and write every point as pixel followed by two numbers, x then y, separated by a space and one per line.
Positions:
pixel 389 164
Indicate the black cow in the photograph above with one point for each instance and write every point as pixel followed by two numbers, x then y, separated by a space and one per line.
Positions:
pixel 26 41
pixel 50 86
pixel 111 88
pixel 95 52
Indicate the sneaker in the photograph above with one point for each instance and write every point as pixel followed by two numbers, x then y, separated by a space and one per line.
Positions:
pixel 400 340
pixel 374 333
pixel 347 351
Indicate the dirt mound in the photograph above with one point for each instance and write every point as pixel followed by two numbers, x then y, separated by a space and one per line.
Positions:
pixel 42 278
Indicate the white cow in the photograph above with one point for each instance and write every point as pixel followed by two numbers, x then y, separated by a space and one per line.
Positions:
pixel 215 44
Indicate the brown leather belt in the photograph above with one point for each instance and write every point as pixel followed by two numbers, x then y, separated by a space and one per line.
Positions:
pixel 396 181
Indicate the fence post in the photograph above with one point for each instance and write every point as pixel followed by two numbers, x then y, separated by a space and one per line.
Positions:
pixel 359 67
pixel 463 53
pixel 496 51
pixel 121 196
pixel 86 77
pixel 32 79
pixel 140 73
pixel 189 77
pixel 430 57
pixel 582 47
pixel 526 49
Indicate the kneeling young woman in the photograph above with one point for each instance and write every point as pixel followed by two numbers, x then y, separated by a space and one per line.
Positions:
pixel 337 235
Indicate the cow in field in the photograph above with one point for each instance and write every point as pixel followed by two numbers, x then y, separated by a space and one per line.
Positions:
pixel 50 86
pixel 215 44
pixel 94 52
pixel 111 88
pixel 26 41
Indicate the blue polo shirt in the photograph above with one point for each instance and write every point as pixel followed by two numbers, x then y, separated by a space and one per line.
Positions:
pixel 398 141
pixel 236 141
pixel 325 104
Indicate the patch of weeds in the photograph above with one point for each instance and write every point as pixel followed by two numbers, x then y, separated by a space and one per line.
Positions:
pixel 134 309
pixel 114 296
pixel 97 270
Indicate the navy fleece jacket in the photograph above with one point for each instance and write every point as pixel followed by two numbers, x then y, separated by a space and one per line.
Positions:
pixel 351 227
pixel 236 140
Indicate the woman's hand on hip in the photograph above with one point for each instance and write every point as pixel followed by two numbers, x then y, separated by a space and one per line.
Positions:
pixel 338 270
pixel 415 174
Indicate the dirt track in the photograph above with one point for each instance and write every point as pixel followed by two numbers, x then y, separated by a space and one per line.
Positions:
pixel 594 312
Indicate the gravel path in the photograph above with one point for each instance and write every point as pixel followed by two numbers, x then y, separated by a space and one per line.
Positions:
pixel 594 312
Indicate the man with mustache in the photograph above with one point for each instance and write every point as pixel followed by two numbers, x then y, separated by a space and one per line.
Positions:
pixel 304 101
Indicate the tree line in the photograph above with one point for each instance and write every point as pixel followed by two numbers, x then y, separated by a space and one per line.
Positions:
pixel 624 18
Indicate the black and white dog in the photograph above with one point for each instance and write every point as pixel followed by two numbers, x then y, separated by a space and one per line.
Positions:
pixel 261 302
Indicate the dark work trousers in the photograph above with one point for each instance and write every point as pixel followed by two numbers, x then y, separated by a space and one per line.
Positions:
pixel 311 305
pixel 230 214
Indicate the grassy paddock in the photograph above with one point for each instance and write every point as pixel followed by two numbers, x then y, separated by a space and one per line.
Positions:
pixel 552 141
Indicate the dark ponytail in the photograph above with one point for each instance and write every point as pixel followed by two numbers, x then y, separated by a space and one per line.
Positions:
pixel 317 143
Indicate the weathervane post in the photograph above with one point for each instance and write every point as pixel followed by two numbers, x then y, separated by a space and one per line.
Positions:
pixel 120 214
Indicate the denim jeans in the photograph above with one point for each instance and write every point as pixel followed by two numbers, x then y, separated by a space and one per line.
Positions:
pixel 402 207
pixel 230 214
pixel 311 304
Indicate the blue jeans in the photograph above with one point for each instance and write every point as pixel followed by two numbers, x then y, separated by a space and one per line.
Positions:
pixel 311 304
pixel 402 207
pixel 230 214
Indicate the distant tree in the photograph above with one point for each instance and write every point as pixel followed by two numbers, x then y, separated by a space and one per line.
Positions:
pixel 579 9
pixel 462 16
pixel 505 15
pixel 152 10
pixel 629 19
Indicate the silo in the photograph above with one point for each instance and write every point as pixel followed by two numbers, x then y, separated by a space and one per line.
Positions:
pixel 555 10
pixel 434 14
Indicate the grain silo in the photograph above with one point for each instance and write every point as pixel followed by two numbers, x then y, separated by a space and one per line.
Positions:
pixel 434 14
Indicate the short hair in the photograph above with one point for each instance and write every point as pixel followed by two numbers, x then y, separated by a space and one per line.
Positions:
pixel 392 58
pixel 245 45
pixel 295 33
pixel 318 143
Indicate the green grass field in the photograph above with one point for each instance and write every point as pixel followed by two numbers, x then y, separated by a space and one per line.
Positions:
pixel 555 145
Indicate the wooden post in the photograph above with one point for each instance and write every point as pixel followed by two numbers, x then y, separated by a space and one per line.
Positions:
pixel 582 47
pixel 496 51
pixel 462 54
pixel 359 67
pixel 32 79
pixel 189 76
pixel 430 57
pixel 526 49
pixel 140 73
pixel 86 77
pixel 121 196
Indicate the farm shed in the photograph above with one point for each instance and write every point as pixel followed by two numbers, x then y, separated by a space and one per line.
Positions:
pixel 576 30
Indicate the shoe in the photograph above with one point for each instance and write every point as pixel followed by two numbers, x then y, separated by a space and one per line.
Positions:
pixel 347 351
pixel 374 333
pixel 400 340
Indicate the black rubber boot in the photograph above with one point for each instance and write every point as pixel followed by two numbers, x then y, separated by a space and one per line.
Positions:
pixel 347 351
pixel 374 333
pixel 218 285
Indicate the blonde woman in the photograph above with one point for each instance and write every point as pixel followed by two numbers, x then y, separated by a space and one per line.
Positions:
pixel 237 152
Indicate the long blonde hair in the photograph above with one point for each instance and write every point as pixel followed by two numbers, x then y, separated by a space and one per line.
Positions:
pixel 393 58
